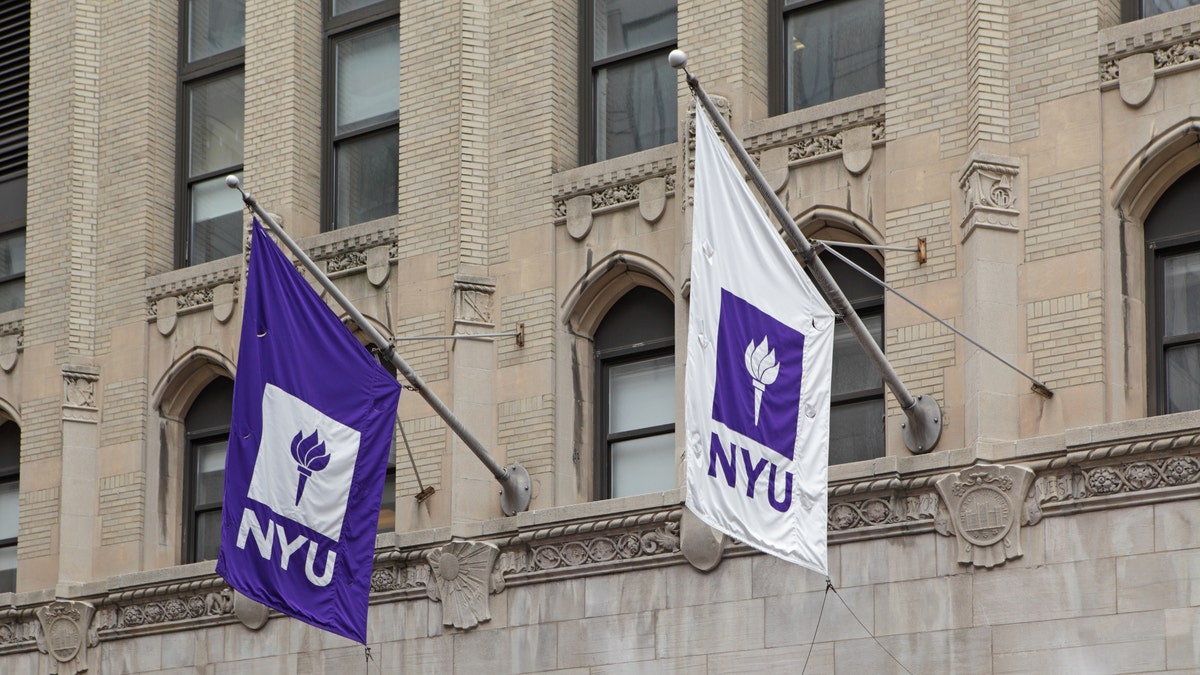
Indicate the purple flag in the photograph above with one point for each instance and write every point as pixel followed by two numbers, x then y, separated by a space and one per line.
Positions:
pixel 313 414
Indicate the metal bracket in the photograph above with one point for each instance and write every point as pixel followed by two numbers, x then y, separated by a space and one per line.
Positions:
pixel 515 490
pixel 923 428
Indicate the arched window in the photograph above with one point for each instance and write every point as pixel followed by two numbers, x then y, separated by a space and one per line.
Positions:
pixel 10 474
pixel 856 406
pixel 206 429
pixel 1172 231
pixel 635 392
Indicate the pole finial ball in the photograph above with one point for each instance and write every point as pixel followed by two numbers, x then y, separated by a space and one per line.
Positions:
pixel 232 181
pixel 677 58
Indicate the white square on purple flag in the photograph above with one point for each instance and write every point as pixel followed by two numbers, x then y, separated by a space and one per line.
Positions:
pixel 759 369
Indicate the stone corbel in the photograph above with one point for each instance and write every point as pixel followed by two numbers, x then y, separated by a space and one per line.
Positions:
pixel 989 190
pixel 984 510
pixel 462 580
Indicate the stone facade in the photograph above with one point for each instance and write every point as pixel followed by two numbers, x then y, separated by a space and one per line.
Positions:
pixel 1022 146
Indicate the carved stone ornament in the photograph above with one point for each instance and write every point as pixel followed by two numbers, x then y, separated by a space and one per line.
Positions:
pixel 462 581
pixel 378 265
pixel 223 301
pixel 652 199
pixel 79 394
pixel 65 635
pixel 1136 78
pixel 985 511
pixel 702 545
pixel 579 216
pixel 251 613
pixel 989 189
pixel 167 311
pixel 473 299
pixel 856 149
pixel 10 346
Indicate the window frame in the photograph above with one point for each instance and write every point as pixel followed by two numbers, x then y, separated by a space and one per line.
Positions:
pixel 207 430
pixel 777 14
pixel 334 29
pixel 1157 251
pixel 1132 10
pixel 605 360
pixel 15 26
pixel 588 68
pixel 190 74
pixel 13 476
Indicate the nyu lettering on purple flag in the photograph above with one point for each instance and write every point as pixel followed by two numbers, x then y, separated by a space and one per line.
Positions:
pixel 313 414
pixel 759 359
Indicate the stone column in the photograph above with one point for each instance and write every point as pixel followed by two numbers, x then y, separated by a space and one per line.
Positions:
pixel 475 492
pixel 991 255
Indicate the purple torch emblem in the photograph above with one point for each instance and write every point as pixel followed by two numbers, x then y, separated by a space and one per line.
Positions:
pixel 310 456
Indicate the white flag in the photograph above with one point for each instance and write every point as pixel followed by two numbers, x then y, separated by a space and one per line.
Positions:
pixel 759 357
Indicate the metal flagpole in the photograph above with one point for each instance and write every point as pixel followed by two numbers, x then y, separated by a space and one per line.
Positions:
pixel 924 426
pixel 514 479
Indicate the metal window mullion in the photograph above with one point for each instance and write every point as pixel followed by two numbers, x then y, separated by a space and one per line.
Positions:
pixel 632 54
pixel 367 130
pixel 643 432
pixel 209 175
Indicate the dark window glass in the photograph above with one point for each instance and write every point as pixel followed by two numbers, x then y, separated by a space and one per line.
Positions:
pixel 629 90
pixel 207 430
pixel 212 105
pixel 215 26
pixel 856 415
pixel 825 51
pixel 1172 232
pixel 10 474
pixel 362 109
pixel 14 149
pixel 1156 7
pixel 635 415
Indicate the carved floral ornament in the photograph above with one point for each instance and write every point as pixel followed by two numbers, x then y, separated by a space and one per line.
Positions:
pixel 989 194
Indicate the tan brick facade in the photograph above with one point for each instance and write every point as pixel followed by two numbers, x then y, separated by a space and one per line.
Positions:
pixel 1022 143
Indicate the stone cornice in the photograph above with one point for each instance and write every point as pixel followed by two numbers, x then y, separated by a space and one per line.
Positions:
pixel 1173 38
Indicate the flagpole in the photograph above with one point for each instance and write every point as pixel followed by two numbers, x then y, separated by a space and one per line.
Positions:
pixel 924 426
pixel 514 479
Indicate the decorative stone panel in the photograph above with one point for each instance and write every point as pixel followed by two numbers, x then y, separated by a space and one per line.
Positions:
pixel 462 581
pixel 66 634
pixel 989 194
pixel 473 300
pixel 79 394
pixel 984 511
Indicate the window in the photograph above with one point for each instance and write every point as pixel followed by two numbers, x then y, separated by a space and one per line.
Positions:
pixel 856 415
pixel 206 429
pixel 1141 9
pixel 362 109
pixel 1172 234
pixel 10 473
pixel 14 150
pixel 635 411
pixel 211 105
pixel 824 50
pixel 627 88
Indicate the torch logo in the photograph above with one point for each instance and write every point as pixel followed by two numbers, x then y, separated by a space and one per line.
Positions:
pixel 763 369
pixel 753 345
pixel 310 456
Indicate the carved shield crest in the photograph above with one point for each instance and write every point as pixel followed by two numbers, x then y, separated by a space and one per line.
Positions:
pixel 984 512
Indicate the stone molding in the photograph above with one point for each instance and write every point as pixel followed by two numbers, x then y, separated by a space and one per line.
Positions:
pixel 1173 40
pixel 1072 479
pixel 370 247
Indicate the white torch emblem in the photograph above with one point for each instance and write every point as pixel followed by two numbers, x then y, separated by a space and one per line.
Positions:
pixel 763 369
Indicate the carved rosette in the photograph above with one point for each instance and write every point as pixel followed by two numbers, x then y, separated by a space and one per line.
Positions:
pixel 461 580
pixel 989 192
pixel 984 512
pixel 65 635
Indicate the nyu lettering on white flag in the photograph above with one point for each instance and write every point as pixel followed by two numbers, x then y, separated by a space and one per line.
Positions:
pixel 759 358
